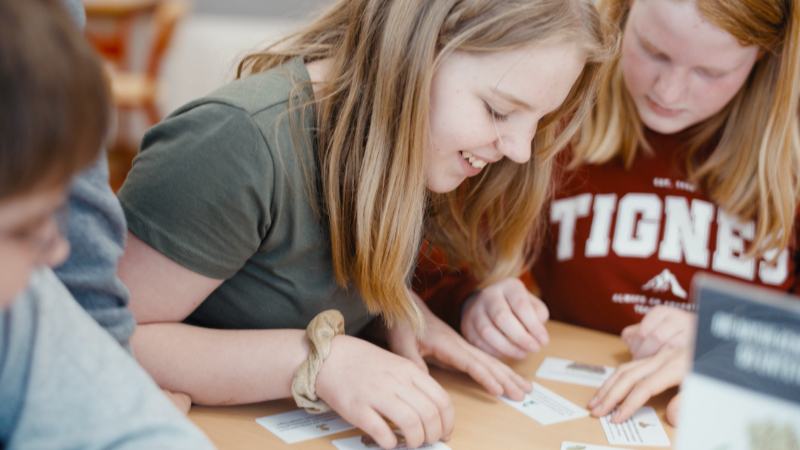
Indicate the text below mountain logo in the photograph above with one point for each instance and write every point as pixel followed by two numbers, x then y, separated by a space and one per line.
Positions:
pixel 663 282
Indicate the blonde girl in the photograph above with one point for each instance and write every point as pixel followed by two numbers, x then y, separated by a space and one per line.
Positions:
pixel 689 162
pixel 304 185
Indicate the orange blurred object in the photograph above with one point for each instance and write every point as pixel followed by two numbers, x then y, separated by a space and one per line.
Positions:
pixel 110 28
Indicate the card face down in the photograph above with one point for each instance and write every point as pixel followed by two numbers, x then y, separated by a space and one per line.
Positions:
pixel 366 442
pixel 578 446
pixel 643 429
pixel 567 371
pixel 546 407
pixel 300 425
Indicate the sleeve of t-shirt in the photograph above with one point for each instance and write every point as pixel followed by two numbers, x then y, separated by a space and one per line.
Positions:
pixel 200 190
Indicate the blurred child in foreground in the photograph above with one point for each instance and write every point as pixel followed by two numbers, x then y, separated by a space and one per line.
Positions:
pixel 64 382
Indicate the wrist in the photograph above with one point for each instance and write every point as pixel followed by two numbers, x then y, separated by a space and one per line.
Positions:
pixel 319 334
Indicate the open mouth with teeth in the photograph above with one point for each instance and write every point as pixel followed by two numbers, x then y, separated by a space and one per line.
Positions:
pixel 474 160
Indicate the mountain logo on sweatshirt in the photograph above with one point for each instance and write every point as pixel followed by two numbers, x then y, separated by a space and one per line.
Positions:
pixel 663 282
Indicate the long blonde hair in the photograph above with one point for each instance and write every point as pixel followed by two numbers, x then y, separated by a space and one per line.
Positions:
pixel 373 125
pixel 754 169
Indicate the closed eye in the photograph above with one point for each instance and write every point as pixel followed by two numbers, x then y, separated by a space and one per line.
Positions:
pixel 494 114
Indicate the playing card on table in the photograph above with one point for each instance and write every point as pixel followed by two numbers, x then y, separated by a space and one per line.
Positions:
pixel 574 372
pixel 365 442
pixel 546 407
pixel 300 425
pixel 643 428
pixel 578 446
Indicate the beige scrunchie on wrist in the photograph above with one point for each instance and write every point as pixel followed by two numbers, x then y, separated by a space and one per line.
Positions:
pixel 319 333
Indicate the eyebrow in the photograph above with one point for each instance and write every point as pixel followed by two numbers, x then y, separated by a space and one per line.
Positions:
pixel 654 48
pixel 512 99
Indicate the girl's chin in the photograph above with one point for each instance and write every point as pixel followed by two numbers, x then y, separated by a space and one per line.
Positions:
pixel 443 185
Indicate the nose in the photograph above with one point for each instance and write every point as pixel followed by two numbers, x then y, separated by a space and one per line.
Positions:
pixel 56 250
pixel 670 86
pixel 517 145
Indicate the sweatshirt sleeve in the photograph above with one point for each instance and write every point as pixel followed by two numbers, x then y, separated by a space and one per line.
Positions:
pixel 96 233
pixel 444 288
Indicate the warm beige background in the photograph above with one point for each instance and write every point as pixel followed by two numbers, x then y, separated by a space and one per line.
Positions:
pixel 482 421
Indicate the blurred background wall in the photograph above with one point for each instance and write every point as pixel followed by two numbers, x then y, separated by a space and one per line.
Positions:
pixel 201 54
pixel 267 8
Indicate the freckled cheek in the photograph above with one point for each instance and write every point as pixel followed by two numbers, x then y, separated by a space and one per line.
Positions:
pixel 710 98
pixel 639 73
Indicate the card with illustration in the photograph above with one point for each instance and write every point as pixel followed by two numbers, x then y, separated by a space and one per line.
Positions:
pixel 546 407
pixel 365 442
pixel 643 428
pixel 300 425
pixel 573 372
pixel 578 446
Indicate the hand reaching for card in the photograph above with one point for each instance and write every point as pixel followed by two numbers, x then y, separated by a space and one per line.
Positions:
pixel 365 384
pixel 633 383
pixel 662 328
pixel 505 320
pixel 442 346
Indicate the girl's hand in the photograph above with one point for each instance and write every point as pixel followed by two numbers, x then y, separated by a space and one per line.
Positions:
pixel 506 320
pixel 662 328
pixel 365 383
pixel 635 382
pixel 443 347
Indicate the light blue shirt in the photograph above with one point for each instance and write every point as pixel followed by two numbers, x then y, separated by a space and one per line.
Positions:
pixel 67 384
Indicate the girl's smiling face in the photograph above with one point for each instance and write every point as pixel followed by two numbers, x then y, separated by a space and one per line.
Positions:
pixel 679 68
pixel 486 106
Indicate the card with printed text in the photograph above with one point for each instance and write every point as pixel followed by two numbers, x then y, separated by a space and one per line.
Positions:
pixel 546 407
pixel 366 442
pixel 573 372
pixel 643 428
pixel 300 425
pixel 578 446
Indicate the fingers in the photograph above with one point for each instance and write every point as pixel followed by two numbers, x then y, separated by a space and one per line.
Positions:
pixel 182 401
pixel 654 384
pixel 496 377
pixel 532 313
pixel 464 362
pixel 620 384
pixel 672 410
pixel 427 412
pixel 373 424
pixel 628 334
pixel 661 328
pixel 506 320
pixel 654 342
pixel 637 381
pixel 441 402
pixel 404 343
pixel 489 330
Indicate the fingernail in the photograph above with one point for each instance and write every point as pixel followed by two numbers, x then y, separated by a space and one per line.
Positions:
pixel 596 410
pixel 615 416
pixel 533 348
pixel 544 339
pixel 592 402
pixel 447 438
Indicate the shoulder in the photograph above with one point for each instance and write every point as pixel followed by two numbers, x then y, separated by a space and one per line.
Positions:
pixel 259 93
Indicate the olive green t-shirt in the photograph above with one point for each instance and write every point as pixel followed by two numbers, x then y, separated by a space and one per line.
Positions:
pixel 220 188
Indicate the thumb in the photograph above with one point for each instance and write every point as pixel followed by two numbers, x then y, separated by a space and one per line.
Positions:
pixel 404 343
